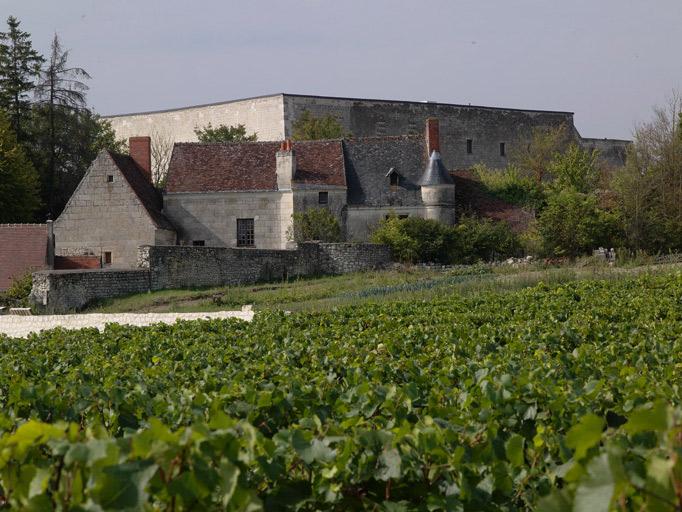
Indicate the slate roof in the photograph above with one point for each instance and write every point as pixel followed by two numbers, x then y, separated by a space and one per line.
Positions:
pixel 150 198
pixel 435 173
pixel 199 167
pixel 368 160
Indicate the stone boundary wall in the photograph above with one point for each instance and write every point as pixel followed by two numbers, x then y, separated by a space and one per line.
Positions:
pixel 167 267
pixel 60 291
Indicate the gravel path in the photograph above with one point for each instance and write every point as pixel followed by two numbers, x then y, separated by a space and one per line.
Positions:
pixel 21 326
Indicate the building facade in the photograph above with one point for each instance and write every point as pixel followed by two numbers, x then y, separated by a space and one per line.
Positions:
pixel 470 134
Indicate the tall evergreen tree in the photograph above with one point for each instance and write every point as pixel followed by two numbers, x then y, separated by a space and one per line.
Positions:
pixel 61 92
pixel 19 68
pixel 19 184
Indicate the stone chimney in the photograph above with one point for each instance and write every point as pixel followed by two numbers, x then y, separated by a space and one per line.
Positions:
pixel 141 152
pixel 432 136
pixel 286 165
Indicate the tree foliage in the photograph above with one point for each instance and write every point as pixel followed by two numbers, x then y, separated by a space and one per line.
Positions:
pixel 317 224
pixel 575 169
pixel 309 127
pixel 224 133
pixel 535 157
pixel 572 224
pixel 649 188
pixel 19 68
pixel 19 184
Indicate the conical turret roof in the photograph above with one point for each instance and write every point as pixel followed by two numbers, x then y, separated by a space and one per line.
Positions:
pixel 435 173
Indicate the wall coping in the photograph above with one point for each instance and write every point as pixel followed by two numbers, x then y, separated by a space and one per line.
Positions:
pixel 90 271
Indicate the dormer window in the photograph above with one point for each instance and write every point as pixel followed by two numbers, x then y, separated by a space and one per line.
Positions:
pixel 393 179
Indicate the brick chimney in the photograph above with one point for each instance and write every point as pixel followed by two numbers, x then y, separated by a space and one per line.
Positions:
pixel 286 165
pixel 432 135
pixel 141 152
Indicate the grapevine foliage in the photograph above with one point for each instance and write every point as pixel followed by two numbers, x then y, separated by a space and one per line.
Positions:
pixel 550 398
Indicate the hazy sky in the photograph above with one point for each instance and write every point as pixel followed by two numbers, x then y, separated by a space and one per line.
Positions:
pixel 609 61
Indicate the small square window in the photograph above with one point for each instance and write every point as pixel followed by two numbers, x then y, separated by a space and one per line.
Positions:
pixel 323 198
pixel 110 178
pixel 470 146
pixel 198 243
pixel 503 149
pixel 107 257
pixel 245 233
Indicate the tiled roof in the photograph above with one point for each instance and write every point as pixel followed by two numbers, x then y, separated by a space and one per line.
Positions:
pixel 150 198
pixel 198 167
pixel 23 248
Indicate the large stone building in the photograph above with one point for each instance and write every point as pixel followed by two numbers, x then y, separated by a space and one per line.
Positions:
pixel 470 134
pixel 244 194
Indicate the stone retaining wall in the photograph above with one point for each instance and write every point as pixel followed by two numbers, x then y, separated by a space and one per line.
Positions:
pixel 59 291
pixel 167 267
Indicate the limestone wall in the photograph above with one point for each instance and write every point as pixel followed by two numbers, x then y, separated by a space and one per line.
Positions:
pixel 104 216
pixel 263 115
pixel 60 291
pixel 212 216
pixel 361 221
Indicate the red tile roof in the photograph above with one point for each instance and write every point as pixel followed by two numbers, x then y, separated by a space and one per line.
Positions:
pixel 23 248
pixel 198 167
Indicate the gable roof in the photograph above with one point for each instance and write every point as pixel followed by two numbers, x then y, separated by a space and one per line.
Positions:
pixel 151 199
pixel 247 166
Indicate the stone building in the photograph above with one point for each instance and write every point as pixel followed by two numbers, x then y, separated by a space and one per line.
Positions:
pixel 471 134
pixel 114 210
pixel 244 194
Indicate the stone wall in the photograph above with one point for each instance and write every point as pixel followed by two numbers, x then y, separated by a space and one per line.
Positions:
pixel 346 258
pixel 60 291
pixel 166 267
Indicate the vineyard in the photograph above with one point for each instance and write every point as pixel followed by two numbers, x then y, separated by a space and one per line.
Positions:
pixel 555 398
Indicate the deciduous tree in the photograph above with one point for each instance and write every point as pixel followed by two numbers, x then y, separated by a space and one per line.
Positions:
pixel 309 127
pixel 224 134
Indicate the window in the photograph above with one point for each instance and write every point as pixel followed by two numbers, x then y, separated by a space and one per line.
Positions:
pixel 110 178
pixel 395 180
pixel 503 149
pixel 470 146
pixel 245 233
pixel 198 243
pixel 107 257
pixel 323 198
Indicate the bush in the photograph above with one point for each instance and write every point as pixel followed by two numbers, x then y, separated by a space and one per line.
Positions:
pixel 415 239
pixel 17 294
pixel 315 224
pixel 421 240
pixel 510 185
pixel 572 224
pixel 483 240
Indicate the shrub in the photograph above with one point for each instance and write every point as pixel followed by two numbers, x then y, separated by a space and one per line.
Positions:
pixel 483 240
pixel 17 294
pixel 511 185
pixel 572 224
pixel 415 239
pixel 421 240
pixel 315 224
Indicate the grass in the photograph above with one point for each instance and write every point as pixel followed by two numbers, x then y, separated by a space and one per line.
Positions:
pixel 324 293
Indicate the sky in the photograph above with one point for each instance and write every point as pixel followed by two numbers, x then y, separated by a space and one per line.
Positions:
pixel 609 61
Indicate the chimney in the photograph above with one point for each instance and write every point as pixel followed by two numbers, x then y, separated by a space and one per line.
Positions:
pixel 141 152
pixel 286 165
pixel 432 135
